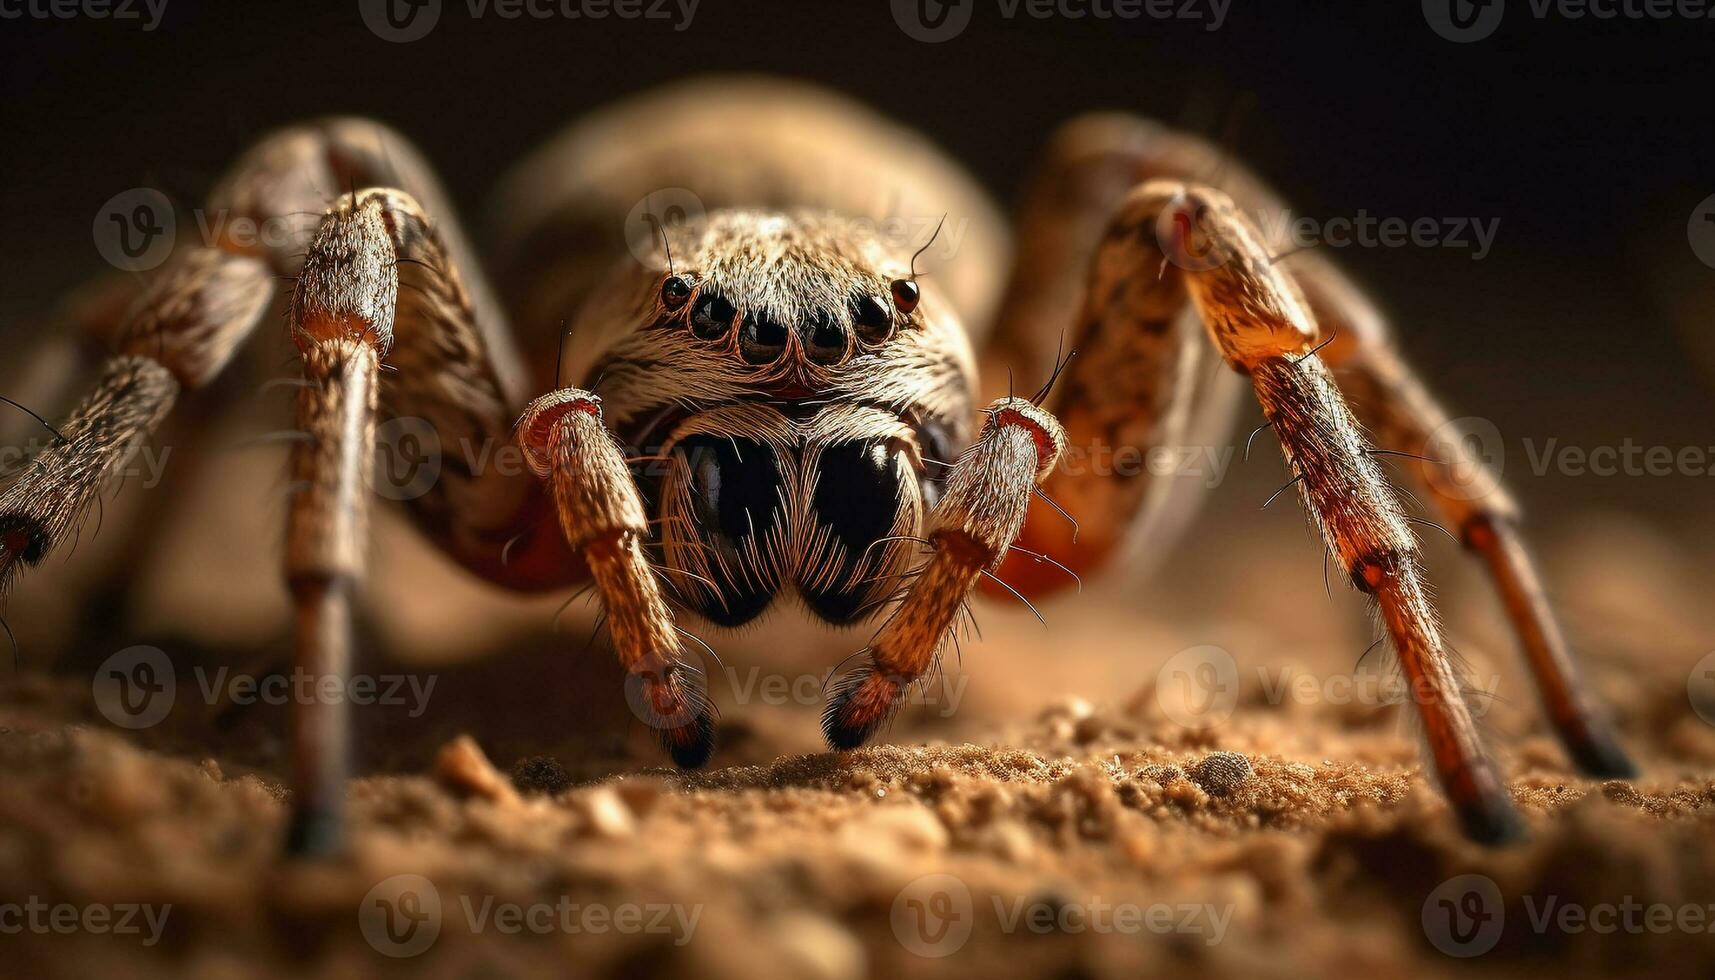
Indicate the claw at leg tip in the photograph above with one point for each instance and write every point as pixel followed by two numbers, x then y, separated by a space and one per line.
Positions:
pixel 1498 827
pixel 675 702
pixel 1488 816
pixel 692 744
pixel 857 708
pixel 1599 754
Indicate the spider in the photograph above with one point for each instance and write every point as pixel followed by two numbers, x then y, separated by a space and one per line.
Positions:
pixel 765 397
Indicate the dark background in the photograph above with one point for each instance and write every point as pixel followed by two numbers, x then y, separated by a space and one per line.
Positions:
pixel 1590 141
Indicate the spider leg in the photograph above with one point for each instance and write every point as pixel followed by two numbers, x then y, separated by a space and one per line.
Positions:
pixel 352 311
pixel 377 281
pixel 1089 164
pixel 1195 240
pixel 979 516
pixel 602 517
pixel 326 545
pixel 458 370
pixel 80 331
pixel 1167 243
pixel 1405 418
pixel 185 329
pixel 1140 379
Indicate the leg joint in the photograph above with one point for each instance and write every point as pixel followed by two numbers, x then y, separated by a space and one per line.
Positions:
pixel 1375 569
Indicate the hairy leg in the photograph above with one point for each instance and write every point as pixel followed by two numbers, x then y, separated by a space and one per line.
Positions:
pixel 1170 244
pixel 1089 164
pixel 1139 378
pixel 376 279
pixel 1405 418
pixel 186 327
pixel 327 541
pixel 602 517
pixel 1089 167
pixel 1263 328
pixel 78 334
pixel 1107 402
pixel 379 284
pixel 463 378
pixel 971 531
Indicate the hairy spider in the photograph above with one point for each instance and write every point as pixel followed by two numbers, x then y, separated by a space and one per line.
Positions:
pixel 764 398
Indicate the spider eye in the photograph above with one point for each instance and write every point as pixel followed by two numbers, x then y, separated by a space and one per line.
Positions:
pixel 674 292
pixel 874 323
pixel 905 295
pixel 712 317
pixel 825 337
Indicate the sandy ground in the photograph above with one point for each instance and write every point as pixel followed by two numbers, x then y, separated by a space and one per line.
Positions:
pixel 1059 807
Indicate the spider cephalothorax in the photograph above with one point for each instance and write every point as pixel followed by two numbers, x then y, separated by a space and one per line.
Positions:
pixel 791 308
pixel 794 399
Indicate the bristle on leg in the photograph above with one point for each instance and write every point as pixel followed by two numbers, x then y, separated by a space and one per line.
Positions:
pixel 1364 526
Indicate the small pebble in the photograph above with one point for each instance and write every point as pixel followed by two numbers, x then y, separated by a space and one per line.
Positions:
pixel 1621 791
pixel 641 793
pixel 1067 709
pixel 818 947
pixel 540 774
pixel 463 769
pixel 909 828
pixel 1221 773
pixel 1087 730
pixel 606 815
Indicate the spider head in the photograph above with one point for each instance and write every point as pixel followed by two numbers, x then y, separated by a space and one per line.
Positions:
pixel 790 309
pixel 799 391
